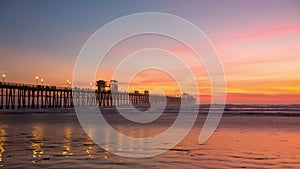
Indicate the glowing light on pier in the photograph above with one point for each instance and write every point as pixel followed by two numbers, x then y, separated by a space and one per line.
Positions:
pixel 91 85
pixel 37 80
pixel 3 78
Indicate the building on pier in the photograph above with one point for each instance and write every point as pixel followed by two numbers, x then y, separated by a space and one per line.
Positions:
pixel 101 85
pixel 114 86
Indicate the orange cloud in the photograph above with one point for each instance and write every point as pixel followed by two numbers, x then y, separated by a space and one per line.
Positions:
pixel 263 98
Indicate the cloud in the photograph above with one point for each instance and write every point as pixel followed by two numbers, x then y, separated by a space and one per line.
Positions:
pixel 260 33
pixel 262 98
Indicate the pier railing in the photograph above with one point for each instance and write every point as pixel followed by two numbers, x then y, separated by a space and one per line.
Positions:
pixel 18 96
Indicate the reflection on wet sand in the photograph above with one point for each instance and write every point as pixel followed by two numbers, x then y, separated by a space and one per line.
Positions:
pixel 67 145
pixel 3 135
pixel 118 143
pixel 37 143
pixel 90 145
pixel 89 149
pixel 239 142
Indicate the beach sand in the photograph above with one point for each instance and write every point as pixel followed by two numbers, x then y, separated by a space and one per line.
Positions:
pixel 56 140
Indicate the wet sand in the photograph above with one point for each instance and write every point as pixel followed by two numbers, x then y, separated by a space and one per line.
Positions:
pixel 56 140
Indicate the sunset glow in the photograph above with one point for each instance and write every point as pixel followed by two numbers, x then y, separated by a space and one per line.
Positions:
pixel 258 44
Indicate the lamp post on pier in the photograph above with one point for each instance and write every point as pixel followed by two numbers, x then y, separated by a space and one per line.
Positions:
pixel 91 85
pixel 3 78
pixel 37 80
pixel 42 81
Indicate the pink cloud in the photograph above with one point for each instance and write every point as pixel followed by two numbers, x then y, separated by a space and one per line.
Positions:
pixel 244 98
pixel 261 33
pixel 183 50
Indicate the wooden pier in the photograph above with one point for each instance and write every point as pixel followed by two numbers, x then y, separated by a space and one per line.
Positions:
pixel 24 96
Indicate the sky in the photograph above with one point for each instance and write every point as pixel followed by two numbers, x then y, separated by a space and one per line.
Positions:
pixel 258 43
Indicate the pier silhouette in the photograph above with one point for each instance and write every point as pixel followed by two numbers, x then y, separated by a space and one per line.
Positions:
pixel 28 96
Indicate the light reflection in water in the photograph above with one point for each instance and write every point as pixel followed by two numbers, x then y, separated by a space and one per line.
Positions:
pixel 124 146
pixel 37 143
pixel 89 149
pixel 90 144
pixel 107 139
pixel 67 146
pixel 120 140
pixel 2 140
